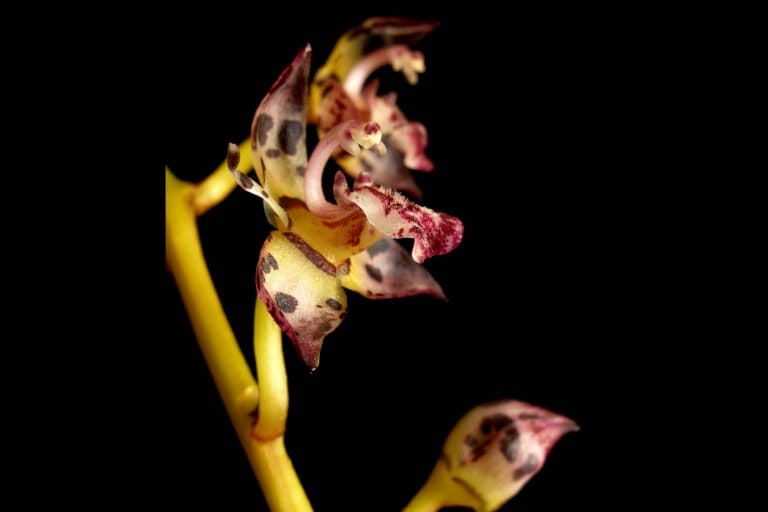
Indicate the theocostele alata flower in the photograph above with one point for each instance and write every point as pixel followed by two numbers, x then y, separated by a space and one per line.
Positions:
pixel 339 93
pixel 321 246
pixel 493 451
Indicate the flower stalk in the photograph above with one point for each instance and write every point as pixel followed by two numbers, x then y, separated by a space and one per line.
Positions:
pixel 264 443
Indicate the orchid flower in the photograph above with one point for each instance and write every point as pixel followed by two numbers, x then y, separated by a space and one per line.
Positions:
pixel 339 93
pixel 491 453
pixel 320 247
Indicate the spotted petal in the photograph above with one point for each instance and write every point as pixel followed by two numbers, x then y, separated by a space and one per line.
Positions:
pixel 300 290
pixel 396 217
pixel 278 131
pixel 494 450
pixel 386 271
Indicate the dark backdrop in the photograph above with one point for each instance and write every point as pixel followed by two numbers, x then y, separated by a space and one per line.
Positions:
pixel 531 124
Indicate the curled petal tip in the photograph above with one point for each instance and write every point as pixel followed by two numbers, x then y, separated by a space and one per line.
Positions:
pixel 233 156
pixel 303 55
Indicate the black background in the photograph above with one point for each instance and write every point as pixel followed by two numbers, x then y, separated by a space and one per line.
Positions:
pixel 534 125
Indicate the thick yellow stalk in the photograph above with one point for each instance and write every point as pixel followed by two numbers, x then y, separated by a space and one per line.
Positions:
pixel 441 490
pixel 234 381
pixel 185 260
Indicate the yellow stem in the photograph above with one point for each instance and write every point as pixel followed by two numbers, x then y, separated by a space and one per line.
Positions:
pixel 213 189
pixel 441 490
pixel 185 259
pixel 270 367
pixel 236 385
pixel 277 477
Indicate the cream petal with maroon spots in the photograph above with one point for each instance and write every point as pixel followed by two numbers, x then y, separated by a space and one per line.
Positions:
pixel 495 449
pixel 386 271
pixel 300 290
pixel 278 131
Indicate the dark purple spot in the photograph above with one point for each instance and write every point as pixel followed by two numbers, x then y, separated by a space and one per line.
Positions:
pixel 244 181
pixel 285 302
pixel 478 451
pixel 300 170
pixel 509 444
pixel 265 266
pixel 333 304
pixel 530 465
pixel 272 261
pixel 273 153
pixel 233 156
pixel 494 423
pixel 312 255
pixel 288 138
pixel 264 123
pixel 374 272
pixel 470 440
pixel 378 247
